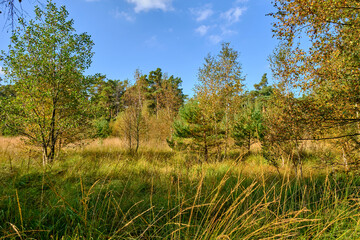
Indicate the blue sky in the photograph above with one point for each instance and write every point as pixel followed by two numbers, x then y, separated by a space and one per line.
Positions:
pixel 174 35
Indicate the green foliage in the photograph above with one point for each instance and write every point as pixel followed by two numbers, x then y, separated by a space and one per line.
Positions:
pixel 7 94
pixel 262 90
pixel 249 126
pixel 220 82
pixel 192 131
pixel 163 92
pixel 107 97
pixel 102 128
pixel 219 89
pixel 133 126
pixel 45 64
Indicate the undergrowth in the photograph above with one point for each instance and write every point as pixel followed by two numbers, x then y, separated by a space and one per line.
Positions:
pixel 103 193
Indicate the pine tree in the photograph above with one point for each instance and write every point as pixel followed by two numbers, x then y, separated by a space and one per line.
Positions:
pixel 192 131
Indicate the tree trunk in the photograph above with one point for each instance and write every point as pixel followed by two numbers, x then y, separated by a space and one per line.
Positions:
pixel 45 156
pixel 129 128
pixel 226 131
pixel 51 154
pixel 48 154
pixel 129 139
pixel 137 141
pixel 357 117
pixel 206 154
pixel 138 128
pixel 51 157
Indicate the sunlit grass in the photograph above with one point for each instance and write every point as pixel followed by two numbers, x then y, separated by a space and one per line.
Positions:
pixel 102 191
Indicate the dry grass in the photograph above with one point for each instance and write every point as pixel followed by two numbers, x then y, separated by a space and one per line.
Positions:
pixel 10 144
pixel 102 191
pixel 114 143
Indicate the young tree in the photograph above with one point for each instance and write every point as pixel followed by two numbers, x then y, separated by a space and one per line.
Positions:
pixel 107 97
pixel 249 123
pixel 45 64
pixel 155 81
pixel 193 132
pixel 219 90
pixel 206 121
pixel 172 97
pixel 163 98
pixel 132 120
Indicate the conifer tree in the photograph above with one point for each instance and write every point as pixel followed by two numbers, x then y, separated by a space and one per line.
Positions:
pixel 192 131
pixel 249 125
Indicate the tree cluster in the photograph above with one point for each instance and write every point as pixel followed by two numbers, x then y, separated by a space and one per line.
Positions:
pixel 50 101
pixel 222 115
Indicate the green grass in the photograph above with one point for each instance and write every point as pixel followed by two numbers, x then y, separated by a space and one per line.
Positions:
pixel 107 193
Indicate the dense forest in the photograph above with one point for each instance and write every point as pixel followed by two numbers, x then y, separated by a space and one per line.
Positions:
pixel 279 161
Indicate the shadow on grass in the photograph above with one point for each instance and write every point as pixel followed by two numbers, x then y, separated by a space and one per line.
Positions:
pixel 90 196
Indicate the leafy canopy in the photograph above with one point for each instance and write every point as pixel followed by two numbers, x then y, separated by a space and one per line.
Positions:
pixel 45 63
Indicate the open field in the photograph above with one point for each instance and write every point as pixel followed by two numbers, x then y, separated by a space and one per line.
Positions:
pixel 180 148
pixel 101 191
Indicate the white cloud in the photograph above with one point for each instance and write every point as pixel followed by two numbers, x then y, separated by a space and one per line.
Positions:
pixel 1 71
pixel 215 39
pixel 226 31
pixel 217 33
pixel 233 15
pixel 153 42
pixel 146 5
pixel 202 30
pixel 124 15
pixel 202 13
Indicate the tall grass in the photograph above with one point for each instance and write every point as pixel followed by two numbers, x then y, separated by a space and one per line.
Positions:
pixel 104 192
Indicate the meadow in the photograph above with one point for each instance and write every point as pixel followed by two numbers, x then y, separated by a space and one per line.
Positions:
pixel 102 191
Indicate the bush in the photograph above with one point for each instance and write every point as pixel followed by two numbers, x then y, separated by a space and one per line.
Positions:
pixel 102 128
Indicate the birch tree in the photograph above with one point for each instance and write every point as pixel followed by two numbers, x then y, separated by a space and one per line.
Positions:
pixel 46 63
pixel 220 85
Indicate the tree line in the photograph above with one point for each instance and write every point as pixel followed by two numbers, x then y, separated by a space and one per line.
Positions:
pixel 315 97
